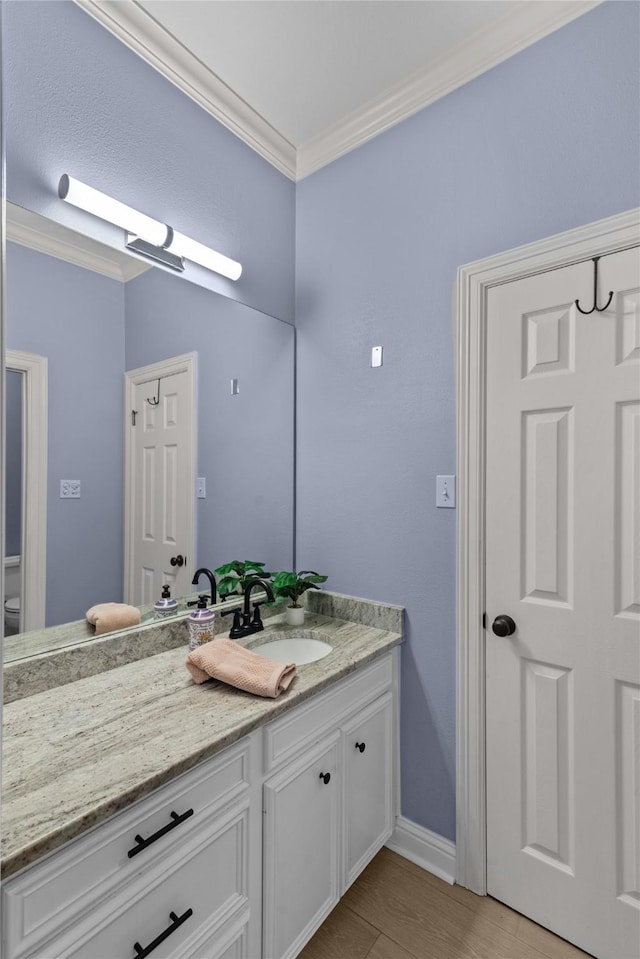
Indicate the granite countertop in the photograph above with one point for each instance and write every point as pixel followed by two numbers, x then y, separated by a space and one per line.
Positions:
pixel 77 754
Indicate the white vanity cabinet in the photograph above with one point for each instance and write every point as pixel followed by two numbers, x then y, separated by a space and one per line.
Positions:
pixel 241 857
pixel 327 802
pixel 180 868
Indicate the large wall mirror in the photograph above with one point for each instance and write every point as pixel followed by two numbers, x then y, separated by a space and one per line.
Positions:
pixel 90 315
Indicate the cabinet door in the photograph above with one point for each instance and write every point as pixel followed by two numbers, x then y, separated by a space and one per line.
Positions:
pixel 301 848
pixel 368 784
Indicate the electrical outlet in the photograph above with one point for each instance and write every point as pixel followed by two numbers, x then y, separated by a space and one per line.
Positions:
pixel 70 489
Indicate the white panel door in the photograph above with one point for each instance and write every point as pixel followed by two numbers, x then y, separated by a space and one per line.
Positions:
pixel 162 489
pixel 563 560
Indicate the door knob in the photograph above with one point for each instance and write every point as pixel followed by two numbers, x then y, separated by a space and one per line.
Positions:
pixel 503 625
pixel 361 746
pixel 177 560
pixel 325 777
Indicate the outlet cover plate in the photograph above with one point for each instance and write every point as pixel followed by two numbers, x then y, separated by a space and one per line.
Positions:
pixel 70 489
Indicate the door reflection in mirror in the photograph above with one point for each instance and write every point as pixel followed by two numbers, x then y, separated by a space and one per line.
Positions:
pixel 13 501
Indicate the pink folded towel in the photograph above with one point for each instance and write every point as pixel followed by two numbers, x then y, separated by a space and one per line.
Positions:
pixel 109 616
pixel 233 664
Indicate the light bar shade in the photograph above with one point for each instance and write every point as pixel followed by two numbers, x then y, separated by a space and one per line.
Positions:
pixel 145 228
pixel 182 245
pixel 106 208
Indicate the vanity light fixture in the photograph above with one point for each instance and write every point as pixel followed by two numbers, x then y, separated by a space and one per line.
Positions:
pixel 146 236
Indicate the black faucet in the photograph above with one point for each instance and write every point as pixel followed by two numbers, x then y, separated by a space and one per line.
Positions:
pixel 250 624
pixel 212 581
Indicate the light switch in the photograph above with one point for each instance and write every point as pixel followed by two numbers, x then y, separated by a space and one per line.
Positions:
pixel 202 487
pixel 235 387
pixel 446 491
pixel 376 356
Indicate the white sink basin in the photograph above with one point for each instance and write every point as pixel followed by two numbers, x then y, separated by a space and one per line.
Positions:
pixel 294 649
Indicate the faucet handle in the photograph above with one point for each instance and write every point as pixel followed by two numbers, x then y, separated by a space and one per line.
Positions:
pixel 194 602
pixel 236 628
pixel 256 620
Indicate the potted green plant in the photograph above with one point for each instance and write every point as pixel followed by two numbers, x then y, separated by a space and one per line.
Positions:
pixel 290 587
pixel 233 577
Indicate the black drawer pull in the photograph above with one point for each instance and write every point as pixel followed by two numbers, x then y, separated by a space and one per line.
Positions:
pixel 143 843
pixel 361 746
pixel 176 922
pixel 325 777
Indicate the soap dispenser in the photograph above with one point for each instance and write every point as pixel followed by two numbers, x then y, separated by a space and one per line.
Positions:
pixel 201 623
pixel 165 606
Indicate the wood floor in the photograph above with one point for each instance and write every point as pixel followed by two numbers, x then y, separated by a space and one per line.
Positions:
pixel 396 910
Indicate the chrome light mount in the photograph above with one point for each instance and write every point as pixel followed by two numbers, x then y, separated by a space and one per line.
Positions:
pixel 157 253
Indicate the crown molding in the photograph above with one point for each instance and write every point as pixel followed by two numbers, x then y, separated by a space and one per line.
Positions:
pixel 146 37
pixel 44 236
pixel 520 28
pixel 530 21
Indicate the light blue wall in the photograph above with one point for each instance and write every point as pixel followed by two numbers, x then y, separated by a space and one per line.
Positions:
pixel 245 442
pixel 76 319
pixel 544 142
pixel 13 453
pixel 77 101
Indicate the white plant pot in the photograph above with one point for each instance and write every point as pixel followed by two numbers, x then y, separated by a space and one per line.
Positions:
pixel 294 615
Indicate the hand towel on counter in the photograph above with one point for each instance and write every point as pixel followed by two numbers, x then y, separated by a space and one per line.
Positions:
pixel 231 663
pixel 109 616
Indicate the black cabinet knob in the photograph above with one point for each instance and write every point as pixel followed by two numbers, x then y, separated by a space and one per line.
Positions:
pixel 325 777
pixel 361 746
pixel 177 560
pixel 503 625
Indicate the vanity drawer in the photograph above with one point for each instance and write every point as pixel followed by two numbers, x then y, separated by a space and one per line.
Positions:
pixel 199 891
pixel 230 941
pixel 44 900
pixel 311 722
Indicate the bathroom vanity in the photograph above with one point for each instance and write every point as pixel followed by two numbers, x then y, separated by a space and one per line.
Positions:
pixel 144 815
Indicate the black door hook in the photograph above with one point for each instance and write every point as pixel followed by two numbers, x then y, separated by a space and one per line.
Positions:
pixel 595 307
pixel 154 400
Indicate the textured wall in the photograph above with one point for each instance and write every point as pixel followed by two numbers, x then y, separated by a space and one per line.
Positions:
pixel 77 101
pixel 542 143
pixel 245 442
pixel 45 297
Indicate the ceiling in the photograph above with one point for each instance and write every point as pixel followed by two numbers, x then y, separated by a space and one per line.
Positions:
pixel 304 81
pixel 306 65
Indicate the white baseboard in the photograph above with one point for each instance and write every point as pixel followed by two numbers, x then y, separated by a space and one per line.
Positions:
pixel 425 848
